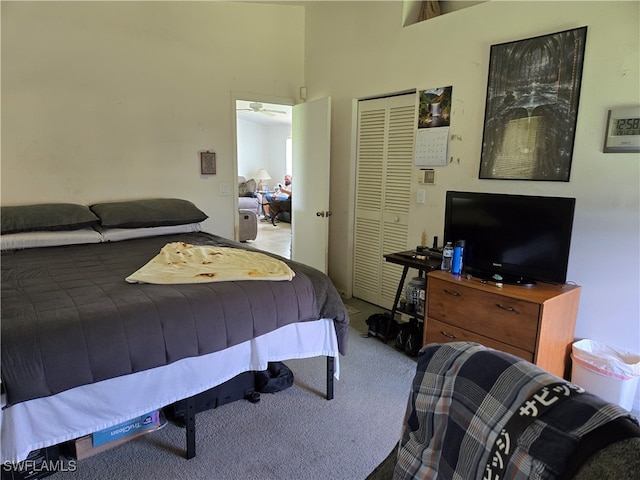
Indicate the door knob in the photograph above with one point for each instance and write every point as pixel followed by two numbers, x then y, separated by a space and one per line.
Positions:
pixel 328 213
pixel 319 214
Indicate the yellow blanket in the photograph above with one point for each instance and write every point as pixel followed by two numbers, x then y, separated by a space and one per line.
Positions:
pixel 180 262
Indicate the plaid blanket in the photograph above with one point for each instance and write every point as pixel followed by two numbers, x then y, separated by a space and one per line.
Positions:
pixel 476 413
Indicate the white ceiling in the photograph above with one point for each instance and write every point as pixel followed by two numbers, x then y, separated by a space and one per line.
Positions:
pixel 262 118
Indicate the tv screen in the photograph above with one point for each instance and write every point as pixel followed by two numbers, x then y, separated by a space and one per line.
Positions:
pixel 517 239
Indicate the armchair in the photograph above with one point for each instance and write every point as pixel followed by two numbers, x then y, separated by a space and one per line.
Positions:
pixel 248 196
pixel 249 208
pixel 475 412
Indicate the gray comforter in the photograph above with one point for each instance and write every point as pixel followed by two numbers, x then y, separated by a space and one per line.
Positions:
pixel 69 318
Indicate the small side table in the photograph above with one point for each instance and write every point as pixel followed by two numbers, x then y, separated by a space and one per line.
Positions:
pixel 409 259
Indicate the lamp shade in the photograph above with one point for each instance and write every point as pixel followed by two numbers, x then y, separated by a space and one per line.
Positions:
pixel 262 174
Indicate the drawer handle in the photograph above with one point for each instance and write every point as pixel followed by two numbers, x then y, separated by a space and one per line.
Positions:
pixel 452 292
pixel 508 309
pixel 448 335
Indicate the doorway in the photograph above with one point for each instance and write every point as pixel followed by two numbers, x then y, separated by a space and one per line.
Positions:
pixel 264 149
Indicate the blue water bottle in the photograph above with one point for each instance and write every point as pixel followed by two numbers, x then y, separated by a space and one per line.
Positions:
pixel 458 256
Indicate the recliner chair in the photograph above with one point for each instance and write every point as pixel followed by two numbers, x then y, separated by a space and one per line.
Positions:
pixel 248 225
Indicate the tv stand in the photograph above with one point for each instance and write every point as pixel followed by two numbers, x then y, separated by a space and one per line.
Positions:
pixel 535 323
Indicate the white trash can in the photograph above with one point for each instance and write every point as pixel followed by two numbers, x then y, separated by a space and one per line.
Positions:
pixel 609 373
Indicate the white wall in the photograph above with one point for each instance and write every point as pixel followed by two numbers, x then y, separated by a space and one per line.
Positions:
pixel 277 136
pixel 251 148
pixel 368 53
pixel 262 146
pixel 114 100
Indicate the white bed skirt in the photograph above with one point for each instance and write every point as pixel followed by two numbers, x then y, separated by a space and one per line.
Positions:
pixel 82 410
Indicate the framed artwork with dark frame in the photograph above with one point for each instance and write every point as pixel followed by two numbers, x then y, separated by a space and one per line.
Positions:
pixel 208 163
pixel 531 109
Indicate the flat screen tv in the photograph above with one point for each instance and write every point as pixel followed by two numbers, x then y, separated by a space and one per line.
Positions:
pixel 515 239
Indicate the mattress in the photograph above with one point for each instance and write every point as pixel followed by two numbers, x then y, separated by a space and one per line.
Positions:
pixel 70 319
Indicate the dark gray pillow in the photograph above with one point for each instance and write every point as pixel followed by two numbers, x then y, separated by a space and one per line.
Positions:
pixel 46 216
pixel 152 212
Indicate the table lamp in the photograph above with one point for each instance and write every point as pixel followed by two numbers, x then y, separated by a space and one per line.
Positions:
pixel 262 176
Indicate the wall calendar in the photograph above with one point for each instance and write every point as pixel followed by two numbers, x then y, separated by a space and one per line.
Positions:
pixel 431 146
pixel 432 137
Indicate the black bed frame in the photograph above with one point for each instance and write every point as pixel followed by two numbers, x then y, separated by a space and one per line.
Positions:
pixel 190 414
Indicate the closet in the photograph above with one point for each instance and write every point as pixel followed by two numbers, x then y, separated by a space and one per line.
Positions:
pixel 385 145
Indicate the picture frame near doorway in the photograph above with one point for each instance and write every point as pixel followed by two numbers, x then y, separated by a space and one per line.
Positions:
pixel 207 163
pixel 531 109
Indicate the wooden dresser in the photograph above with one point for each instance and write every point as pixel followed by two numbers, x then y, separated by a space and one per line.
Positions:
pixel 535 323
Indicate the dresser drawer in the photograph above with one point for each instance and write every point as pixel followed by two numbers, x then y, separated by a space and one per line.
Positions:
pixel 505 319
pixel 440 332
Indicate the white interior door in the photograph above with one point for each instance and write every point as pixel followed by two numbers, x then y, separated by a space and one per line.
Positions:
pixel 310 195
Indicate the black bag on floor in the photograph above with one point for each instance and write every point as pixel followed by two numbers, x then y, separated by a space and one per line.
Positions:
pixel 413 342
pixel 275 378
pixel 240 387
pixel 382 326
pixel 403 336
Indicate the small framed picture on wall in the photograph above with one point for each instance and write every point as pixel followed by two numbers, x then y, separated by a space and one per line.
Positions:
pixel 208 163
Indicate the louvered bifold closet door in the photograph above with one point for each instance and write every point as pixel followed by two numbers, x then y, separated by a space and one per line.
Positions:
pixel 371 149
pixel 383 176
pixel 400 148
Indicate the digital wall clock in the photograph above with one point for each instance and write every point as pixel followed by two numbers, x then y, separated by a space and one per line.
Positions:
pixel 623 130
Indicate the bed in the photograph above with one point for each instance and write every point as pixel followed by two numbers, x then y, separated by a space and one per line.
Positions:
pixel 83 349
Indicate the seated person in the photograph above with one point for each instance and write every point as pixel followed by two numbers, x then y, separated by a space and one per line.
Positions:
pixel 282 192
